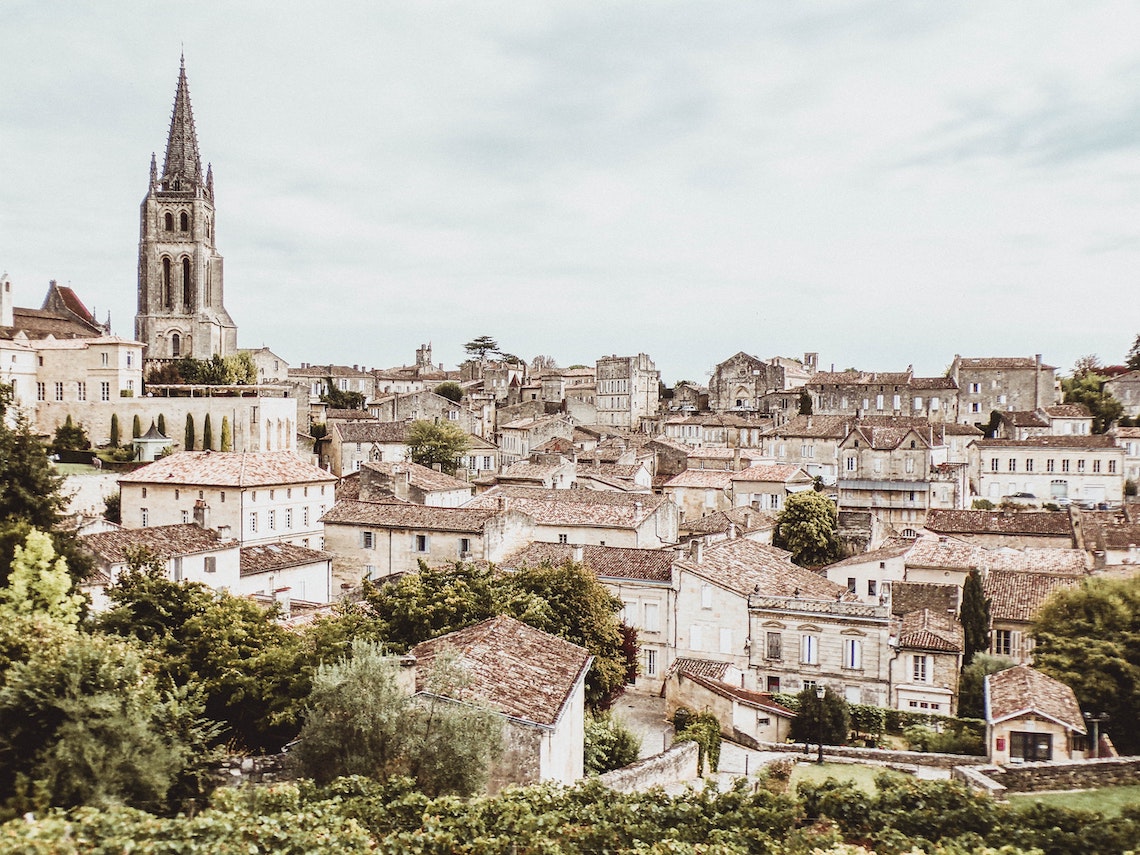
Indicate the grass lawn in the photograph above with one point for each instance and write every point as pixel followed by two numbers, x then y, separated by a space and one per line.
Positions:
pixel 862 776
pixel 1108 800
pixel 75 469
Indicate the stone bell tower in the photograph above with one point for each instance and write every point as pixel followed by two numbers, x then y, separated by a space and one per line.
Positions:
pixel 180 309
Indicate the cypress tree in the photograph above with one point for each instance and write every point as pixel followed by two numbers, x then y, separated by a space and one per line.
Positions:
pixel 207 435
pixel 227 437
pixel 114 430
pixel 188 440
pixel 975 616
pixel 162 424
pixel 136 427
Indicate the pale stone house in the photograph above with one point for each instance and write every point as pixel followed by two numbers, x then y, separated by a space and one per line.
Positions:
pixel 518 438
pixel 351 444
pixel 285 572
pixel 766 488
pixel 317 380
pixel 188 552
pixel 631 478
pixel 480 459
pixel 627 390
pixel 559 383
pixel 1015 598
pixel 746 717
pixel 871 575
pixel 1113 538
pixel 719 430
pixel 1013 529
pixel 255 497
pixel 548 471
pixel 1128 438
pixel 1004 384
pixel 1031 717
pixel 271 368
pixel 536 681
pixel 698 492
pixel 928 659
pixel 1126 389
pixel 1084 469
pixel 641 578
pixel 410 482
pixel 728 525
pixel 810 442
pixel 728 459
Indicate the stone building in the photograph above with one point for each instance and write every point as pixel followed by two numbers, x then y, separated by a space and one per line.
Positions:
pixel 924 670
pixel 1126 389
pixel 1002 383
pixel 1061 469
pixel 1031 717
pixel 180 307
pixel 740 383
pixel 627 390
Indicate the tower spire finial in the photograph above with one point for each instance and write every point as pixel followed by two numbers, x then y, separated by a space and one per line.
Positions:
pixel 182 169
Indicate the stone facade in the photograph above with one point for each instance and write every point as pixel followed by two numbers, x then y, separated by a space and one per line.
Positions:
pixel 1005 384
pixel 1085 469
pixel 740 383
pixel 627 390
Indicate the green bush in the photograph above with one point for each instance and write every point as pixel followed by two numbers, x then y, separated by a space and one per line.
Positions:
pixel 609 743
pixel 983 505
pixel 702 728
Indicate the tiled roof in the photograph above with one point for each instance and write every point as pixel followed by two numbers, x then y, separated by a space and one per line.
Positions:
pixel 420 477
pixel 573 507
pixel 909 597
pixel 516 669
pixel 229 469
pixel 652 565
pixel 917 383
pixel 1026 418
pixel 761 700
pixel 610 470
pixel 555 445
pixel 372 431
pixel 743 565
pixel 666 442
pixel 927 629
pixel 1089 442
pixel 716 479
pixel 746 520
pixel 1127 432
pixel 37 323
pixel 885 438
pixel 1018 596
pixel 265 557
pixel 861 378
pixel 407 516
pixel 820 427
pixel 953 429
pixel 1004 363
pixel 1068 411
pixel 1051 523
pixel 708 668
pixel 350 415
pixel 1022 690
pixel 950 554
pixel 1117 536
pixel 530 471
pixel 779 473
pixel 531 422
pixel 167 541
pixel 708 453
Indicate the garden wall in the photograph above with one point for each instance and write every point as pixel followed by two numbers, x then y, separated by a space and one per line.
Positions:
pixel 1040 777
pixel 880 755
pixel 678 763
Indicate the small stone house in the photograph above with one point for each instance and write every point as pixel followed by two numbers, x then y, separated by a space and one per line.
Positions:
pixel 746 717
pixel 1031 717
pixel 924 671
pixel 536 681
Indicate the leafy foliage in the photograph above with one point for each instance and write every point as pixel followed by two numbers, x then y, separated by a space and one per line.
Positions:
pixel 480 346
pixel 610 744
pixel 38 583
pixel 975 616
pixel 227 438
pixel 836 718
pixel 341 399
pixel 1089 390
pixel 431 443
pixel 806 527
pixel 188 434
pixel 235 370
pixel 207 434
pixel 971 685
pixel 702 728
pixel 1089 638
pixel 70 437
pixel 450 390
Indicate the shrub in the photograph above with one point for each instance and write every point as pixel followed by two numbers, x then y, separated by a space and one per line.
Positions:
pixel 983 505
pixel 702 728
pixel 609 743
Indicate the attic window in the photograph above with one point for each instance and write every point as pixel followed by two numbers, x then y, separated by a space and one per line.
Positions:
pixel 912 443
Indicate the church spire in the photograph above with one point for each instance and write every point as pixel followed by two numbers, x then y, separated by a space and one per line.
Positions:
pixel 182 169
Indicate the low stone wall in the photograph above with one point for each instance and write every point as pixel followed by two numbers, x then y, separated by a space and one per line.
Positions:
pixel 1040 777
pixel 678 763
pixel 234 771
pixel 880 755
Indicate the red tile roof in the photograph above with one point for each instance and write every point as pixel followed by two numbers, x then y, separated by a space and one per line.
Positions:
pixel 229 469
pixel 1022 690
pixel 166 541
pixel 651 565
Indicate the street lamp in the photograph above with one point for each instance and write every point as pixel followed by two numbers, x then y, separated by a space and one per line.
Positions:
pixel 819 693
pixel 1095 719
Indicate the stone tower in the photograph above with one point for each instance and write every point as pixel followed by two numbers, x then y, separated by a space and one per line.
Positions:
pixel 180 310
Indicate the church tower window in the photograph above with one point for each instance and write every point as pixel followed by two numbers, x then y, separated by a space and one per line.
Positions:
pixel 166 298
pixel 169 222
pixel 187 291
pixel 184 222
pixel 175 345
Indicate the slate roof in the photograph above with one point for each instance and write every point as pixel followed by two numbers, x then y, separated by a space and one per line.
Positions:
pixel 573 507
pixel 928 629
pixel 229 469
pixel 372 431
pixel 1021 690
pixel 650 565
pixel 742 565
pixel 266 557
pixel 1018 596
pixel 407 516
pixel 167 541
pixel 519 671
pixel 1036 523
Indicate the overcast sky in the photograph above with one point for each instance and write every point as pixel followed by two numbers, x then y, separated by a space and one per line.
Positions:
pixel 885 183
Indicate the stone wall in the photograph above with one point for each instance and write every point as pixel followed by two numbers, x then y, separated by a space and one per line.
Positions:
pixel 1041 777
pixel 879 755
pixel 235 771
pixel 678 763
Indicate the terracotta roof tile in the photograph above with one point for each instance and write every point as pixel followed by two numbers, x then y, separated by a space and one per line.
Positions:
pixel 907 597
pixel 372 431
pixel 1004 363
pixel 1018 596
pixel 778 472
pixel 715 479
pixel 229 469
pixel 743 565
pixel 407 516
pixel 1050 523
pixel 516 669
pixel 573 507
pixel 928 629
pixel 420 477
pixel 1022 690
pixel 761 700
pixel 266 557
pixel 166 541
pixel 651 565
pixel 1089 442
pixel 746 520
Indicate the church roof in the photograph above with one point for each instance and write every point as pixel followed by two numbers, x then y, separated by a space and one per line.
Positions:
pixel 182 169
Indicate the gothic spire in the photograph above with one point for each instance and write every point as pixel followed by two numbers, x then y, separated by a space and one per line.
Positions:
pixel 182 169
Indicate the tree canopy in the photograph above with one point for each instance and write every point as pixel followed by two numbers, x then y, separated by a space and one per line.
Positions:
pixel 832 710
pixel 341 399
pixel 806 527
pixel 480 346
pixel 1088 389
pixel 431 443
pixel 451 390
pixel 235 370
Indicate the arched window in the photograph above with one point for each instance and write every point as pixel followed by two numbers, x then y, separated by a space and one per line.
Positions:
pixel 175 345
pixel 166 282
pixel 169 221
pixel 184 222
pixel 187 291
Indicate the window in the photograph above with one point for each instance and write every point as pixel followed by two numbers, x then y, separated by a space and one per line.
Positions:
pixel 105 391
pixel 809 649
pixel 486 462
pixel 177 494
pixel 41 391
pixel 872 588
pixel 695 639
pixel 253 521
pixel 1050 466
pixel 81 391
pixel 975 407
pixel 919 671
pixel 650 662
pixel 106 359
pixel 421 543
pixel 1013 464
pixel 59 391
pixel 464 545
pixel 288 519
pixel 993 464
pixel 563 538
pixel 185 517
pixel 1030 747
pixel 706 596
pixel 1029 465
pixel 1003 642
pixel 177 568
pixel 774 685
pixel 652 618
pixel 1096 466
pixel 168 221
pixel 367 540
pixel 305 516
pixel 975 388
pixel 851 463
pixel 144 492
pixel 774 647
pixel 852 653
pixel 211 564
pixel 1112 467
pixel 145 517
pixel 1081 465
pixel 184 222
pixel 1064 465
pixel 272 520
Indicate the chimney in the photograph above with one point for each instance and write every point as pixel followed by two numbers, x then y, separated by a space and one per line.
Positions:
pixel 201 514
pixel 747 521
pixel 732 531
pixel 736 459
pixel 401 478
pixel 6 313
pixel 578 553
pixel 696 550
pixel 406 676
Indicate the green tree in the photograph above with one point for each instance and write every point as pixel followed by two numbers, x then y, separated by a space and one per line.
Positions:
pixel 136 427
pixel 341 399
pixel 1133 358
pixel 86 724
pixel 1089 638
pixel 162 424
pixel 1089 390
pixel 362 721
pixel 188 435
pixel 480 346
pixel 207 434
pixel 240 369
pixel 610 744
pixel 806 527
pixel 450 390
pixel 971 686
pixel 113 507
pixel 975 616
pixel 38 583
pixel 431 443
pixel 70 437
pixel 227 440
pixel 115 437
pixel 805 403
pixel 833 711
